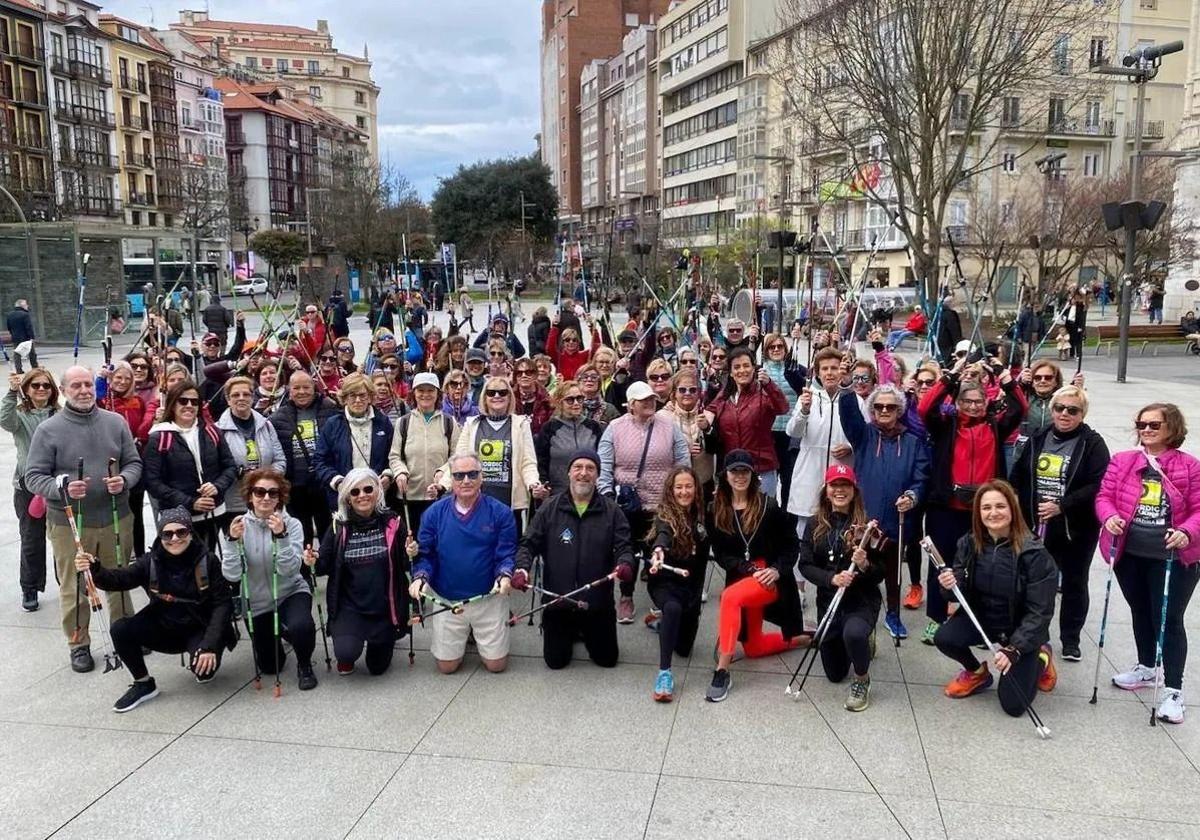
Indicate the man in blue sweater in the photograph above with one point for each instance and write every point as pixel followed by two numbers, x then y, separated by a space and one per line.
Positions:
pixel 468 546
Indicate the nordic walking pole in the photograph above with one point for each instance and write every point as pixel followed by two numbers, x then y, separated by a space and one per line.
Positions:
pixel 899 568
pixel 569 596
pixel 1162 631
pixel 247 616
pixel 112 473
pixel 935 558
pixel 79 307
pixel 320 612
pixel 1108 579
pixel 275 598
pixel 111 661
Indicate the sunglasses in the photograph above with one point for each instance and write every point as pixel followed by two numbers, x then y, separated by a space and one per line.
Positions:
pixel 456 384
pixel 192 401
pixel 688 362
pixel 925 383
pixel 345 349
pixel 575 400
pixel 659 377
pixel 718 357
pixel 139 366
pixel 265 492
pixel 570 340
pixel 496 354
pixel 733 330
pixel 777 347
pixel 886 408
pixel 490 393
pixel 212 344
pixel 1048 377
pixel 525 372
pixel 687 389
pixel 1152 425
pixel 365 490
pixel 386 338
pixel 391 367
pixel 465 475
pixel 172 534
pixel 588 377
pixel 1072 410
pixel 40 386
pixel 328 358
pixel 861 377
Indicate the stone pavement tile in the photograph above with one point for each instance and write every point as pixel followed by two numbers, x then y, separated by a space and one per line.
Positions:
pixel 507 800
pixel 581 716
pixel 973 821
pixel 704 809
pixel 207 787
pixel 757 734
pixel 975 748
pixel 34 804
pixel 30 655
pixel 389 712
pixel 918 814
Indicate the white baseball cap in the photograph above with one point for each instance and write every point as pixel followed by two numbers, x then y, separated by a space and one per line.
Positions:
pixel 428 380
pixel 638 391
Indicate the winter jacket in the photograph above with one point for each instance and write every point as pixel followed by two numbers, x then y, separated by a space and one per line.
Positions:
pixel 578 548
pixel 334 455
pixel 270 453
pixel 21 424
pixel 132 409
pixel 462 557
pixel 339 317
pixel 524 457
pixel 819 562
pixel 696 563
pixel 538 332
pixel 1121 490
pixel 621 448
pixel 176 597
pixel 421 449
pixel 1078 523
pixel 284 419
pixel 217 318
pixel 331 561
pixel 20 325
pixel 818 432
pixel 463 413
pixel 887 466
pixel 558 440
pixel 774 541
pixel 789 377
pixel 171 478
pixel 264 551
pixel 746 422
pixel 1025 597
pixel 515 348
pixel 569 362
pixel 537 407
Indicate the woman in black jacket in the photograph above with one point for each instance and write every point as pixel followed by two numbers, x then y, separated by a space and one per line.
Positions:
pixel 186 462
pixel 297 422
pixel 538 331
pixel 366 558
pixel 1056 479
pixel 753 541
pixel 831 558
pixel 1009 581
pixel 680 540
pixel 189 610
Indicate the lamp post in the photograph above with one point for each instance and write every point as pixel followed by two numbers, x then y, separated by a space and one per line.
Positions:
pixel 785 238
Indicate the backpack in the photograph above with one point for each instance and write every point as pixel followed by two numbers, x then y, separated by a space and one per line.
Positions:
pixel 201 572
pixel 402 428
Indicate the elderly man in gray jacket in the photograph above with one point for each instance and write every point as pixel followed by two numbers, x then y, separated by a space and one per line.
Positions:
pixel 83 433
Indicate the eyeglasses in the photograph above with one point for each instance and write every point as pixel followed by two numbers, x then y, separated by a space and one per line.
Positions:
pixel 966 402
pixel 1073 410
pixel 365 490
pixel 391 367
pixel 1044 377
pixel 495 394
pixel 525 372
pixel 139 366
pixel 886 408
pixel 172 534
pixel 1152 425
pixel 465 475
pixel 265 492
pixel 575 400
pixel 777 347
pixel 925 383
pixel 687 389
pixel 589 377
pixel 659 377
pixel 186 401
pixel 239 395
pixel 40 386
pixel 328 358
pixel 356 396
pixel 570 340
pixel 496 354
pixel 861 378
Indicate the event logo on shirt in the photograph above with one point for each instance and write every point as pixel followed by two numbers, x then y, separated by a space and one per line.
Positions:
pixel 1152 506
pixel 307 429
pixel 567 537
pixel 252 452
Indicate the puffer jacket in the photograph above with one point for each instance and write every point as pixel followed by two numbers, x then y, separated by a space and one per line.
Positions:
pixel 270 453
pixel 1121 490
pixel 818 562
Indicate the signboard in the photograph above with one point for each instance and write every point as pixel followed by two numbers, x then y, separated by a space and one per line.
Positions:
pixel 626 223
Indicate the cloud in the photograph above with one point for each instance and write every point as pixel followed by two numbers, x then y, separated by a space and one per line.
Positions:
pixel 459 78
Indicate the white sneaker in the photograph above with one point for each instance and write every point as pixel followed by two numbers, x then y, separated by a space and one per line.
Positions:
pixel 1171 708
pixel 1139 676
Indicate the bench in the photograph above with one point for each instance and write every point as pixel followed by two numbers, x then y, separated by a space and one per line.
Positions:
pixel 1106 334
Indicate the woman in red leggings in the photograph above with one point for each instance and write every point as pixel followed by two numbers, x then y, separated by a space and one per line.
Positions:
pixel 753 542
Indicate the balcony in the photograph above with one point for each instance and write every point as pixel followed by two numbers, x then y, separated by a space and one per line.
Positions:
pixel 1151 130
pixel 136 160
pixel 87 71
pixel 88 159
pixel 235 138
pixel 1066 127
pixel 134 122
pixel 132 85
pixel 23 51
pixel 84 114
pixel 91 205
pixel 23 95
pixel 189 125
pixel 140 199
pixel 1060 66
pixel 28 184
pixel 863 239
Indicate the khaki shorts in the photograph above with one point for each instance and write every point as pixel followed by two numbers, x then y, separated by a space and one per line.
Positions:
pixel 487 618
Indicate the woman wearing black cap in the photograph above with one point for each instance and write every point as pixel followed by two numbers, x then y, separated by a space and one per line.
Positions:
pixel 756 546
pixel 189 609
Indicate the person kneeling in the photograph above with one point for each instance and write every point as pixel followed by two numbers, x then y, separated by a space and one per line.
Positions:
pixel 189 610
pixel 1009 580
pixel 581 536
pixel 830 557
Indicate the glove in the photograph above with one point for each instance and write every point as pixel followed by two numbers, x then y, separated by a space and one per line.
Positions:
pixel 520 580
pixel 624 572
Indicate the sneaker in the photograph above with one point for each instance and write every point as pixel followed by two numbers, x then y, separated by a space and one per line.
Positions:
pixel 930 631
pixel 81 660
pixel 860 694
pixel 139 692
pixel 1049 676
pixel 895 626
pixel 29 600
pixel 1139 676
pixel 345 669
pixel 969 682
pixel 305 678
pixel 1171 708
pixel 914 596
pixel 1071 653
pixel 651 620
pixel 625 610
pixel 718 690
pixel 664 687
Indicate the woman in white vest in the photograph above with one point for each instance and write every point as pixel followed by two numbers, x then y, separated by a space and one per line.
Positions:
pixel 817 425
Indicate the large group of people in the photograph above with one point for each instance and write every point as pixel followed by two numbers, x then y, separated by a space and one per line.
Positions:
pixel 427 481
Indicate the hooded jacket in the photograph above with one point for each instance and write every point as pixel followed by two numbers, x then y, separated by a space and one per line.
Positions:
pixel 263 550
pixel 270 453
pixel 331 562
pixel 1121 490
pixel 171 477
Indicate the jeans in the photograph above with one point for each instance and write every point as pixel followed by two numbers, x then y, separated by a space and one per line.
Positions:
pixel 896 336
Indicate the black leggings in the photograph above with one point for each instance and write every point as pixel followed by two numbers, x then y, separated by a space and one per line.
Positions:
pixel 352 633
pixel 307 502
pixel 787 460
pixel 295 625
pixel 678 625
pixel 137 506
pixel 1074 559
pixel 1141 582
pixel 846 643
pixel 146 629
pixel 562 626
pixel 943 525
pixel 639 526
pixel 1016 689
pixel 33 542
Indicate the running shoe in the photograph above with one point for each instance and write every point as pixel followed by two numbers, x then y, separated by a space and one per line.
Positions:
pixel 345 669
pixel 1139 676
pixel 664 687
pixel 967 683
pixel 1071 653
pixel 625 610
pixel 895 626
pixel 1049 676
pixel 139 692
pixel 651 620
pixel 718 690
pixel 859 696
pixel 930 631
pixel 1171 708
pixel 914 596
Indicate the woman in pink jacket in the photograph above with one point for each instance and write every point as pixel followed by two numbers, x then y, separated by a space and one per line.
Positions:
pixel 1149 502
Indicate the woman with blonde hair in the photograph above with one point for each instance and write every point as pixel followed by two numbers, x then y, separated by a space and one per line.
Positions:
pixel 359 436
pixel 564 435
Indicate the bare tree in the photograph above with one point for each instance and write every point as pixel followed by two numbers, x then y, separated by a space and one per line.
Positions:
pixel 206 202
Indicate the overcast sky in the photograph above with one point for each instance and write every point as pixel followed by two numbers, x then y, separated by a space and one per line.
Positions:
pixel 459 78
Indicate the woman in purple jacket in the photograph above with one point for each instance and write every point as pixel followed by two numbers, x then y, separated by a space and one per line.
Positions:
pixel 1149 502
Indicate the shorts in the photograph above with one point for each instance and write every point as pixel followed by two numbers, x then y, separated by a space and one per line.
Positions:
pixel 488 619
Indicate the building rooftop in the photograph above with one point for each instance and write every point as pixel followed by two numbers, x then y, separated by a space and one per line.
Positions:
pixel 239 26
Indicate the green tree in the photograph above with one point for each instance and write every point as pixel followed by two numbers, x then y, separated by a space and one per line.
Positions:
pixel 280 248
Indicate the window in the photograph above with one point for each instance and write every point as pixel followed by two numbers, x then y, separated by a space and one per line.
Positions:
pixel 361 122
pixel 1092 115
pixel 314 66
pixel 1151 5
pixel 1008 161
pixel 956 213
pixel 252 62
pixel 1011 113
pixel 1057 113
pixel 345 72
pixel 135 217
pixel 1097 54
pixel 1091 165
pixel 360 98
pixel 631 20
pixel 1008 212
pixel 186 115
pixel 314 91
pixel 1060 55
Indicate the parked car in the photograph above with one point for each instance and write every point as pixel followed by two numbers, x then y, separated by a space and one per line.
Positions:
pixel 256 285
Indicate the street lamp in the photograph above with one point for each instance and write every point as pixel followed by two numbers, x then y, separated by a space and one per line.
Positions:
pixel 785 238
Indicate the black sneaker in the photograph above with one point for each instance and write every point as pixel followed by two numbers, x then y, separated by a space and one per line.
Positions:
pixel 81 660
pixel 29 600
pixel 719 689
pixel 1071 653
pixel 305 677
pixel 138 693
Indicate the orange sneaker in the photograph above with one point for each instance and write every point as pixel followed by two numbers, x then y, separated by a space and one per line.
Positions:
pixel 914 596
pixel 1049 675
pixel 969 682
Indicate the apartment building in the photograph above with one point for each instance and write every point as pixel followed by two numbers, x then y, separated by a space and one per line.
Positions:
pixel 1183 278
pixel 338 82
pixel 26 165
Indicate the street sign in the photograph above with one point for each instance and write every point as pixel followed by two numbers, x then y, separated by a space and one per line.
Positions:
pixel 626 223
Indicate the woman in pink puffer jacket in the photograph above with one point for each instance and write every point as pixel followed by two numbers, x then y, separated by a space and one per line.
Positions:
pixel 1149 502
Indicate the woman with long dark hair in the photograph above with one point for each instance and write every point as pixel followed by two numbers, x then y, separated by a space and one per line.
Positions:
pixel 745 415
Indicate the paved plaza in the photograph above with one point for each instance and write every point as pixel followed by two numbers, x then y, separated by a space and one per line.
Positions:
pixel 585 753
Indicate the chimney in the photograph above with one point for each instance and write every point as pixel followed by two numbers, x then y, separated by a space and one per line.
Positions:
pixel 323 26
pixel 187 17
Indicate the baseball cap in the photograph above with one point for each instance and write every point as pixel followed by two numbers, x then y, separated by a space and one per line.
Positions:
pixel 476 355
pixel 739 459
pixel 840 472
pixel 963 346
pixel 428 380
pixel 638 391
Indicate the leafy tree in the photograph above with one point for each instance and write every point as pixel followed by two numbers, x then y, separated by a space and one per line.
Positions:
pixel 280 248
